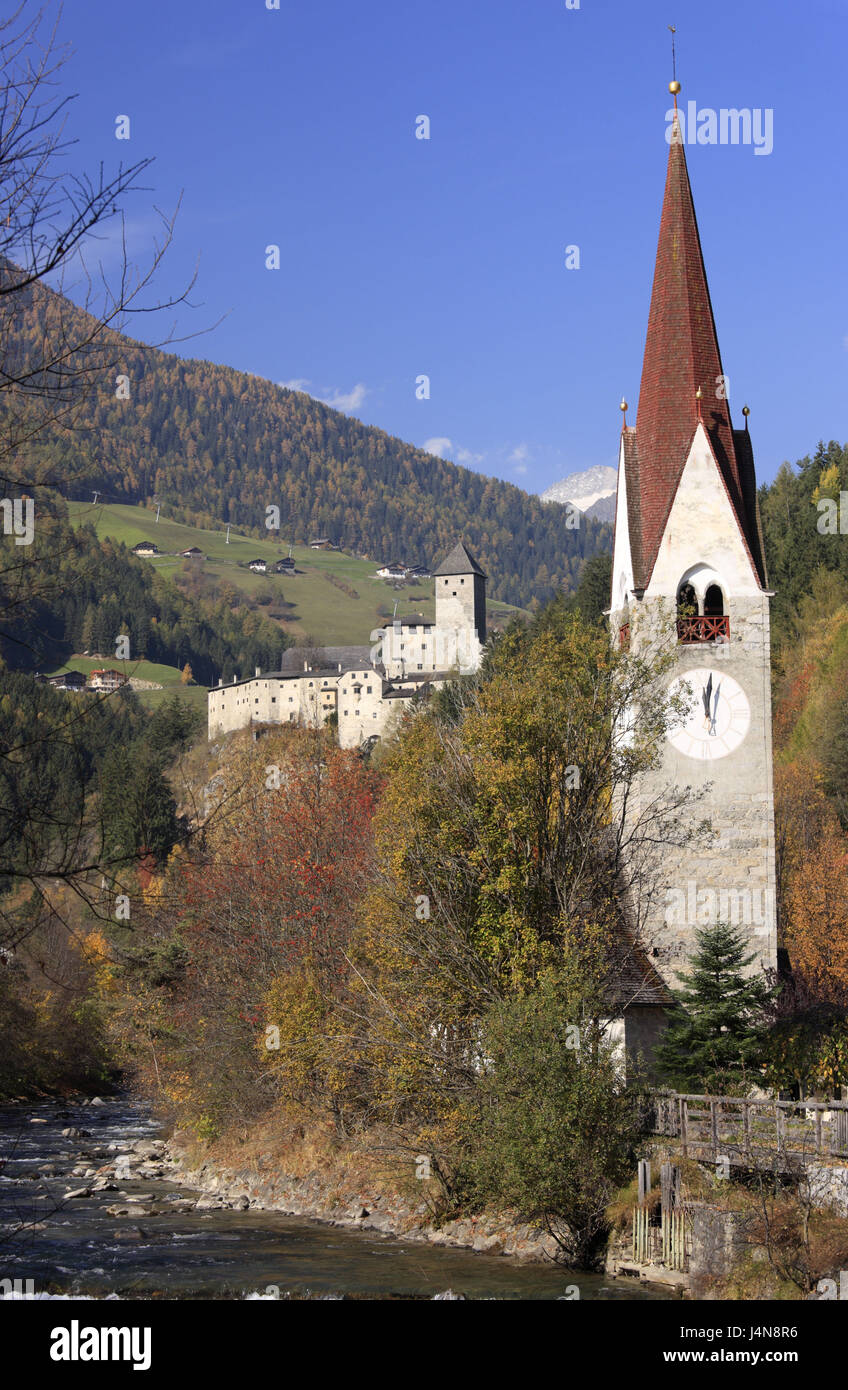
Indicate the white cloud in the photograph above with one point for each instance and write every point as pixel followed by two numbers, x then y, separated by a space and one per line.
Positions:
pixel 441 446
pixel 519 458
pixel 346 400
pixel 445 448
pixel 330 395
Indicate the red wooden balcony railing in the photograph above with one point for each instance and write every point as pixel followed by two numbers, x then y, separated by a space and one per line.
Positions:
pixel 624 635
pixel 703 629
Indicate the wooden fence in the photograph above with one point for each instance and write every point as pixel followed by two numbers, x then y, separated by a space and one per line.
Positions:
pixel 753 1133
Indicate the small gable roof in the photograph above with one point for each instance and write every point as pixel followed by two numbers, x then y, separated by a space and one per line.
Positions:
pixel 459 561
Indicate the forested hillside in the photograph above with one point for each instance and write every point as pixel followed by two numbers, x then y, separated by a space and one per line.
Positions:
pixel 74 593
pixel 219 445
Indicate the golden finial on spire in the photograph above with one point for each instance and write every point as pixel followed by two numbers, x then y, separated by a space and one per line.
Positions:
pixel 674 85
pixel 623 409
pixel 746 412
pixel 699 396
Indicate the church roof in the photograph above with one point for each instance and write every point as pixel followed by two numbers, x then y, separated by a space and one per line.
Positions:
pixel 681 356
pixel 459 561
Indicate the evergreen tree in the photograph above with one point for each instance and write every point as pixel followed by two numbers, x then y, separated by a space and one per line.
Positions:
pixel 715 1041
pixel 137 808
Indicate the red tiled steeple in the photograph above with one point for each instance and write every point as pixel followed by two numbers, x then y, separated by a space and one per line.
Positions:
pixel 681 356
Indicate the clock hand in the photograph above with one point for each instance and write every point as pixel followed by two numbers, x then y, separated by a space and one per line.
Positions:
pixel 715 711
pixel 705 697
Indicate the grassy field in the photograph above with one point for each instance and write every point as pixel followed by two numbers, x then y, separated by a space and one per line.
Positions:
pixel 319 609
pixel 167 676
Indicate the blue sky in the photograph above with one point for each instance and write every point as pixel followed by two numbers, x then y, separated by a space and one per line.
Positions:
pixel 447 257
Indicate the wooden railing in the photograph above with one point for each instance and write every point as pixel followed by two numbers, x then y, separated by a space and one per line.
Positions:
pixel 703 629
pixel 624 635
pixel 753 1133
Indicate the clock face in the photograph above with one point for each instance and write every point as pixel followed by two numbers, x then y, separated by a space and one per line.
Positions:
pixel 718 717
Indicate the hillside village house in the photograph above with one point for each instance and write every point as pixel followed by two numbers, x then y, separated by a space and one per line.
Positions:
pixel 145 548
pixel 106 680
pixel 68 680
pixel 368 689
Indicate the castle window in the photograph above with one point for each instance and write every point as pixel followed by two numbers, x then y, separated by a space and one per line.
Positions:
pixel 713 602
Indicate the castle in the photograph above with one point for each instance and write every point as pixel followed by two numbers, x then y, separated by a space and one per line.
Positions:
pixel 367 688
pixel 689 577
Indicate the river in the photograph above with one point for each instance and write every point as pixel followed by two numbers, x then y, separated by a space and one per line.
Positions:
pixel 75 1247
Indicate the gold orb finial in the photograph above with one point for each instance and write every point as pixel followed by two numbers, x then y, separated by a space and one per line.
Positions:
pixel 746 410
pixel 623 405
pixel 699 395
pixel 674 87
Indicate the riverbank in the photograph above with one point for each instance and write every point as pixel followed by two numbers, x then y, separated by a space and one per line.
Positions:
pixel 95 1201
pixel 328 1193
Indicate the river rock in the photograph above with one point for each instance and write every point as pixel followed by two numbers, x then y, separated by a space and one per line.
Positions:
pixel 37 1121
pixel 148 1148
pixel 73 1133
pixel 78 1192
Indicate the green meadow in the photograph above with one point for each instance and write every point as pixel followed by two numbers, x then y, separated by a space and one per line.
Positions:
pixel 167 676
pixel 316 607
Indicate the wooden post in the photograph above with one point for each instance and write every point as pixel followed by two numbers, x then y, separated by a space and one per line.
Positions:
pixel 684 1126
pixel 746 1126
pixel 818 1130
pixel 644 1178
pixel 714 1128
pixel 669 1186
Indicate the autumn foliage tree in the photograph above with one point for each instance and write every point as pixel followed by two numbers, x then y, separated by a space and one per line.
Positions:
pixel 255 919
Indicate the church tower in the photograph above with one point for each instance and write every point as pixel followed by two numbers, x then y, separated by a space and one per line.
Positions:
pixel 689 576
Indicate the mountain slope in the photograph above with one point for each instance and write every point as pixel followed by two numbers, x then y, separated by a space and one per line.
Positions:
pixel 591 492
pixel 218 445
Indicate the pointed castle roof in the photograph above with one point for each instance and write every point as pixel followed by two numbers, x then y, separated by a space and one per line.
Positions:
pixel 682 356
pixel 459 561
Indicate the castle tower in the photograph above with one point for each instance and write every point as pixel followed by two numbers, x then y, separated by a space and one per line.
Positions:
pixel 689 575
pixel 461 603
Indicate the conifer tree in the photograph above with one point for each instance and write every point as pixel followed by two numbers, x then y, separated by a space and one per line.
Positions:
pixel 715 1041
